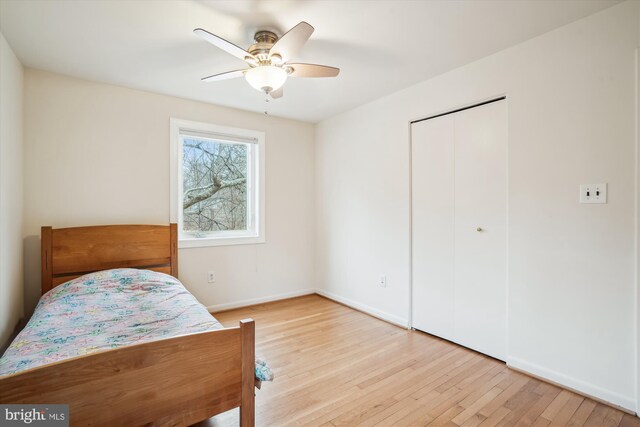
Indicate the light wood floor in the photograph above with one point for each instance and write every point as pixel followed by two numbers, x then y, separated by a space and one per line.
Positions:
pixel 336 366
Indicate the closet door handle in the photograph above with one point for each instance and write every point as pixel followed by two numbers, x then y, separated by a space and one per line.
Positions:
pixel 479 229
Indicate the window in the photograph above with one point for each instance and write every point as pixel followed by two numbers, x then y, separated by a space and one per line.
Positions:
pixel 217 184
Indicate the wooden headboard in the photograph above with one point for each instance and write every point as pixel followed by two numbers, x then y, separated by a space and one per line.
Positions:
pixel 68 253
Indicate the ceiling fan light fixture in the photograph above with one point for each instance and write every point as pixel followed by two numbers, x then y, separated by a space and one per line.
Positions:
pixel 269 59
pixel 266 78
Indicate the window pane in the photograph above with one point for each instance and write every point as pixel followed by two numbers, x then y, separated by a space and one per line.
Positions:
pixel 214 185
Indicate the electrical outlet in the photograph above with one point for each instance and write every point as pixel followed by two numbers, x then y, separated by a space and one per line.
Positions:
pixel 593 193
pixel 382 281
pixel 211 277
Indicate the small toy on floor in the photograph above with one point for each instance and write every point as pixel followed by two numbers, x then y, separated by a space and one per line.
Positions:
pixel 263 373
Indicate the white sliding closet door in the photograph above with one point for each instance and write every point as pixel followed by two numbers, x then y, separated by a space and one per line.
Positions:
pixel 481 202
pixel 459 191
pixel 433 225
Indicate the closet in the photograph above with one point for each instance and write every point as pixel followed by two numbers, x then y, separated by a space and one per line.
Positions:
pixel 459 227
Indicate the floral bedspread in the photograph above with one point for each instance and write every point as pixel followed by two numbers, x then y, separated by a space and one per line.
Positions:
pixel 106 310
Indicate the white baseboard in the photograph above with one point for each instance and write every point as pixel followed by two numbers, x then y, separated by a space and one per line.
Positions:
pixel 573 384
pixel 261 300
pixel 398 321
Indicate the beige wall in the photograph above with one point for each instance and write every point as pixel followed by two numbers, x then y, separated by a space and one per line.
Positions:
pixel 572 286
pixel 99 154
pixel 11 172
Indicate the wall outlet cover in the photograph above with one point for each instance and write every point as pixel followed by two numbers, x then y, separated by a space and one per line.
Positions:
pixel 382 281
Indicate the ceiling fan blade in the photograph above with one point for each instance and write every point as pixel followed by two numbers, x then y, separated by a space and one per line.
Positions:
pixel 223 44
pixel 313 70
pixel 275 94
pixel 224 76
pixel 292 41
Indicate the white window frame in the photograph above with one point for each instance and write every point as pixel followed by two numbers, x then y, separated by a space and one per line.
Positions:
pixel 255 181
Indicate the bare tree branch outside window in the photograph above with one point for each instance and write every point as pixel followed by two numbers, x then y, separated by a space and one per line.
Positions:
pixel 214 186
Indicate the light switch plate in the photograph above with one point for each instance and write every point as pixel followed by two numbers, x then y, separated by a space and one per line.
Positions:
pixel 593 193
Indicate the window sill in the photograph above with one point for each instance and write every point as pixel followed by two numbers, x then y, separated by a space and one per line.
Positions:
pixel 203 242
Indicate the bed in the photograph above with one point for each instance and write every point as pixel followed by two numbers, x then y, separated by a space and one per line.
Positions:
pixel 175 365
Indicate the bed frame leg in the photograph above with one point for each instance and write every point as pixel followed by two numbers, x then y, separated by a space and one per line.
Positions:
pixel 248 339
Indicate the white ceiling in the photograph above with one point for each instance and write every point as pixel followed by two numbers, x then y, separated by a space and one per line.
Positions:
pixel 381 46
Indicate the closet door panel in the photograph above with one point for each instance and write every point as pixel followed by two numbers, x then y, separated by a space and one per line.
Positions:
pixel 433 225
pixel 480 228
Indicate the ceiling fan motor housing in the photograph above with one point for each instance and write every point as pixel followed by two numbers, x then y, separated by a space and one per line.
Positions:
pixel 264 40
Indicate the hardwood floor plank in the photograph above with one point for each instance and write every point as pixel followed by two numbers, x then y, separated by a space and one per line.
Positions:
pixel 421 410
pixel 399 409
pixel 629 421
pixel 496 417
pixel 473 409
pixel 503 397
pixel 477 405
pixel 552 410
pixel 563 416
pixel 604 416
pixel 335 366
pixel 362 412
pixel 541 422
pixel 442 413
pixel 583 412
pixel 534 411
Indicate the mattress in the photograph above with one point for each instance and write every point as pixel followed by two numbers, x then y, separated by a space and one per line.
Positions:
pixel 102 311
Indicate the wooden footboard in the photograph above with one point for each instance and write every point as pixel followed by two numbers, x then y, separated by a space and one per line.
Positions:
pixel 175 381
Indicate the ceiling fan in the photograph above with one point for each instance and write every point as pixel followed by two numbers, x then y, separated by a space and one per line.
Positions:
pixel 268 59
